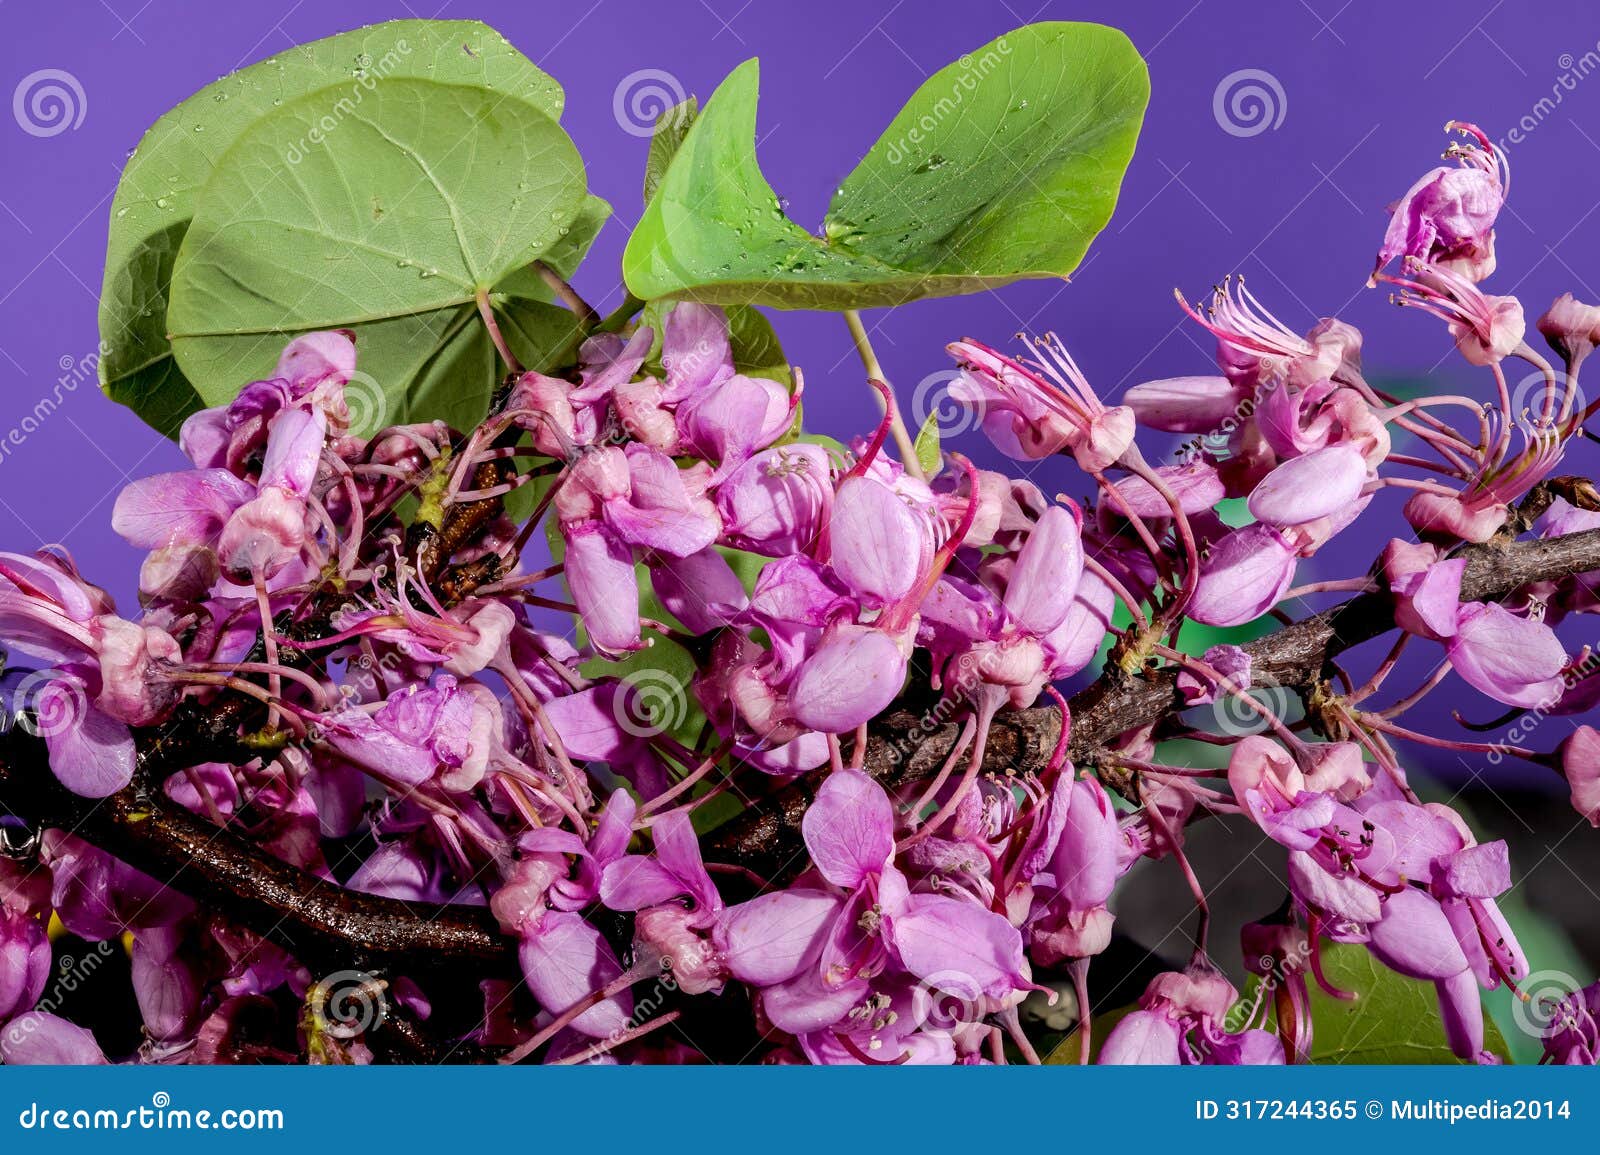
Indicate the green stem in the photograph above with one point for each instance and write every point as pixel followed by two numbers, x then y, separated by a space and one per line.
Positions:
pixel 897 427
pixel 621 315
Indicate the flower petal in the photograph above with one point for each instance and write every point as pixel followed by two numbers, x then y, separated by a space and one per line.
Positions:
pixel 849 828
pixel 768 939
pixel 1306 488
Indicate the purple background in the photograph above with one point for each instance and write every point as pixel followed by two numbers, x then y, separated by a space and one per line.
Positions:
pixel 1298 208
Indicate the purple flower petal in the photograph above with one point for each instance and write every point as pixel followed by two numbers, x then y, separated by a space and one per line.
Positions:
pixel 850 679
pixel 849 829
pixel 565 959
pixel 942 936
pixel 1306 488
pixel 1045 579
pixel 1246 573
pixel 41 1039
pixel 91 752
pixel 1513 660
pixel 875 540
pixel 768 939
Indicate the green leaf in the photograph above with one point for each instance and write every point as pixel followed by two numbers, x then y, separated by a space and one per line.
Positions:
pixel 927 445
pixel 387 218
pixel 1393 1020
pixel 155 198
pixel 1001 166
pixel 671 127
pixel 754 345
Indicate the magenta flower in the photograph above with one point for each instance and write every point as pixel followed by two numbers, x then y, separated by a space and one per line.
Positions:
pixel 1246 572
pixel 1036 408
pixel 1580 764
pixel 1180 1020
pixel 24 961
pixel 1077 866
pixel 1304 489
pixel 1514 660
pixel 1447 218
pixel 817 952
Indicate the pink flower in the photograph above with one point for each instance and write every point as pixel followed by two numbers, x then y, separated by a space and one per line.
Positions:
pixel 819 951
pixel 1304 489
pixel 1447 218
pixel 1580 765
pixel 1245 573
pixel 1035 408
pixel 1514 660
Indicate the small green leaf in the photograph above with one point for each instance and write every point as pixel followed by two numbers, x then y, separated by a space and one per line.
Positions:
pixel 388 223
pixel 927 446
pixel 671 127
pixel 1001 166
pixel 1393 1020
pixel 155 198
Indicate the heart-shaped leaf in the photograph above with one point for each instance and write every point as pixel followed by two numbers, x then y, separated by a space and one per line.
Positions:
pixel 390 218
pixel 155 198
pixel 1002 166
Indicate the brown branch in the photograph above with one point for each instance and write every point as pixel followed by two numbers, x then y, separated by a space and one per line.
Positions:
pixel 322 924
pixel 330 928
pixel 766 837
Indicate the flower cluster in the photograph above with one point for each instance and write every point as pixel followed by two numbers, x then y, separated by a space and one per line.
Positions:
pixel 348 654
